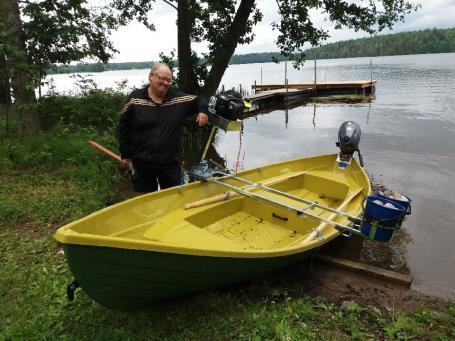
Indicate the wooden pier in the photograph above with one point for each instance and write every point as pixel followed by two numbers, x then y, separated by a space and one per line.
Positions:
pixel 279 93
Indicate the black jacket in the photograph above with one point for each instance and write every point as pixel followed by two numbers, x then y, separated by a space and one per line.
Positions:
pixel 149 133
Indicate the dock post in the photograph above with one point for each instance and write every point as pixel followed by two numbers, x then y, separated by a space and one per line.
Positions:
pixel 315 79
pixel 286 79
pixel 371 77
pixel 287 86
pixel 285 70
pixel 261 75
pixel 254 87
pixel 371 72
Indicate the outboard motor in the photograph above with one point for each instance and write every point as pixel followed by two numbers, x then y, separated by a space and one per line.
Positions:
pixel 348 142
pixel 228 104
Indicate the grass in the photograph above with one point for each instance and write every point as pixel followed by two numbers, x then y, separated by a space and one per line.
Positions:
pixel 53 177
pixel 34 275
pixel 34 307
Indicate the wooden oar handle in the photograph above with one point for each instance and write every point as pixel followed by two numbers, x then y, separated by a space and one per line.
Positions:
pixel 317 232
pixel 210 200
pixel 105 150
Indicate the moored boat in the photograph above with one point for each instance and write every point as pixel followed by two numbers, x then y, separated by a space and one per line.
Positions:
pixel 199 236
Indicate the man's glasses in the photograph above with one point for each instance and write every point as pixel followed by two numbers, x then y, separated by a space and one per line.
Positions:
pixel 162 79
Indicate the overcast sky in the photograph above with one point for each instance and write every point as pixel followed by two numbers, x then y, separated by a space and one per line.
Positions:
pixel 136 43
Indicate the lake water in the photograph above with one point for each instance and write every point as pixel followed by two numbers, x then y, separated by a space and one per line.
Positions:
pixel 408 140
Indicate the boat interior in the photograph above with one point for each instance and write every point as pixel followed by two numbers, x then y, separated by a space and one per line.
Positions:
pixel 232 223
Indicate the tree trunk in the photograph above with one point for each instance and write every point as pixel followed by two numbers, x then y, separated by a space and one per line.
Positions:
pixel 187 77
pixel 227 48
pixel 5 95
pixel 21 80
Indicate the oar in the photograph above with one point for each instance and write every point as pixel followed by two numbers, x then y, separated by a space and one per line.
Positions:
pixel 230 194
pixel 105 150
pixel 111 154
pixel 317 232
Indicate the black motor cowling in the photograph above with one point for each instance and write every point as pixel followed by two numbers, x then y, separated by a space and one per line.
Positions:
pixel 228 104
pixel 349 139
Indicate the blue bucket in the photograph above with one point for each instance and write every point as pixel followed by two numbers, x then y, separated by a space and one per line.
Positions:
pixel 406 204
pixel 379 222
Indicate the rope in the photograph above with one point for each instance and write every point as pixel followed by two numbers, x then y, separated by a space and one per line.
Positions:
pixel 237 163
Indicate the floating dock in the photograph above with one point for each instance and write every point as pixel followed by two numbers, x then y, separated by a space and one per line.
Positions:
pixel 265 94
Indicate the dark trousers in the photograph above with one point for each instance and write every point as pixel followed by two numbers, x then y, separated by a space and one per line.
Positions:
pixel 147 177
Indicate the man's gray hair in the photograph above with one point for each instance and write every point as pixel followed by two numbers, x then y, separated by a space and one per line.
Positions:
pixel 156 66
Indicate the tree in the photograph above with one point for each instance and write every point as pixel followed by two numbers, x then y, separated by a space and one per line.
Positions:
pixel 225 24
pixel 35 34
pixel 5 97
pixel 13 49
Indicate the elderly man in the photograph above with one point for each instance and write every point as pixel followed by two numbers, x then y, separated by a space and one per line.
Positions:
pixel 150 128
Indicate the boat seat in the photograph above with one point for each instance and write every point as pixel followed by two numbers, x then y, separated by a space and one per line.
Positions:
pixel 182 232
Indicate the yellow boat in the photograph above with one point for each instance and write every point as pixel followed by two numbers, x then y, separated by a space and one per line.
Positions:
pixel 199 236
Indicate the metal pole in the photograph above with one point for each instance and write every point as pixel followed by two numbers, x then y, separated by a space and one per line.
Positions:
pixel 255 87
pixel 298 211
pixel 212 133
pixel 311 204
pixel 261 75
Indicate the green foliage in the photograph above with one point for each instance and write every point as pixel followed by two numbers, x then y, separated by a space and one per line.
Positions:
pixel 97 67
pixel 91 108
pixel 214 21
pixel 296 27
pixel 264 57
pixel 64 31
pixel 55 177
pixel 38 33
pixel 49 198
pixel 419 42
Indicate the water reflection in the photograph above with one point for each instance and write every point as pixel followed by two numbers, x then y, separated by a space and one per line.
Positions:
pixel 265 129
pixel 314 116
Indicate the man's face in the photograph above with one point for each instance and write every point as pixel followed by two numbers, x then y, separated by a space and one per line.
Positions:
pixel 160 80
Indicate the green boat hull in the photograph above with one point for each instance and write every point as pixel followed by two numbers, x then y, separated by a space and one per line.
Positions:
pixel 123 279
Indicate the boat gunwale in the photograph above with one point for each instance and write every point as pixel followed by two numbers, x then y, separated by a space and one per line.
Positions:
pixel 66 235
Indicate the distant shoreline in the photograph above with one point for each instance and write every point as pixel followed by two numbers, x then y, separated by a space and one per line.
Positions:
pixel 404 43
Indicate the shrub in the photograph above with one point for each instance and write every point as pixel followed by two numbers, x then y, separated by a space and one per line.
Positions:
pixel 95 108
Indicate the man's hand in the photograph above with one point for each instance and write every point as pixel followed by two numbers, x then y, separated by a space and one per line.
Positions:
pixel 202 119
pixel 126 163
